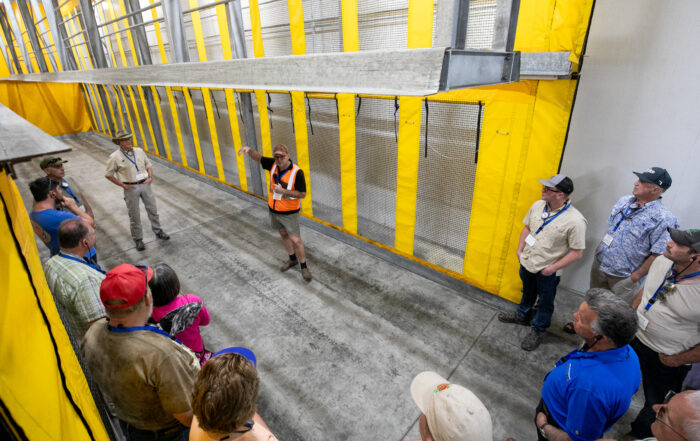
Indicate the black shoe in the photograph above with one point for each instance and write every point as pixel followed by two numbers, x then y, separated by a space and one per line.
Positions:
pixel 139 245
pixel 512 317
pixel 532 340
pixel 162 235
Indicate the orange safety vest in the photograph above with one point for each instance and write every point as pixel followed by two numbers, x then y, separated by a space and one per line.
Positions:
pixel 286 203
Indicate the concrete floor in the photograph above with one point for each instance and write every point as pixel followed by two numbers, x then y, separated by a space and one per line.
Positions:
pixel 336 356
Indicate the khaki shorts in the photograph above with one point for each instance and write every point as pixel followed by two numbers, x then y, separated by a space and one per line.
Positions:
pixel 289 222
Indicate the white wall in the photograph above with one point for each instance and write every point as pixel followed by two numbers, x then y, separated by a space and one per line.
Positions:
pixel 638 106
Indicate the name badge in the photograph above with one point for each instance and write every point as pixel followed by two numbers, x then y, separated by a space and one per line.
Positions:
pixel 140 176
pixel 642 321
pixel 276 196
pixel 530 240
pixel 607 239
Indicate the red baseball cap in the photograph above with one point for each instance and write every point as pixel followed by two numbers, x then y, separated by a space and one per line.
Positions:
pixel 127 283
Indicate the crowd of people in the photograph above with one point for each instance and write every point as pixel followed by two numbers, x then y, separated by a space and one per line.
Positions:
pixel 639 322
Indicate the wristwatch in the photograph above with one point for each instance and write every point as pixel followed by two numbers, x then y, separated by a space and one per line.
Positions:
pixel 542 432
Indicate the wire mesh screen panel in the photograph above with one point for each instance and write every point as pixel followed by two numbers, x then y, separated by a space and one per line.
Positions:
pixel 185 129
pixel 223 132
pixel 274 18
pixel 382 24
pixel 282 127
pixel 376 152
pixel 482 16
pixel 141 135
pixel 324 160
pixel 205 140
pixel 256 119
pixel 322 26
pixel 446 183
pixel 169 124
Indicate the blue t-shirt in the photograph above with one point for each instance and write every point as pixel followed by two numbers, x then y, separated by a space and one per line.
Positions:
pixel 588 392
pixel 642 232
pixel 46 223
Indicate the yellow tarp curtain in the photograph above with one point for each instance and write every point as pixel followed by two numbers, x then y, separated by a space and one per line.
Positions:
pixel 55 108
pixel 40 374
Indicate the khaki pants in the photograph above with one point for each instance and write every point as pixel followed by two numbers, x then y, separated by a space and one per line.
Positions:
pixel 131 197
pixel 623 287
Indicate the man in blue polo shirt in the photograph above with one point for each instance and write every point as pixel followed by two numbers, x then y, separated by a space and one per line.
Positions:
pixel 592 387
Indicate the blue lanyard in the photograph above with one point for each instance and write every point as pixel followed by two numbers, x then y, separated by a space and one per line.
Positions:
pixel 111 328
pixel 546 210
pixel 627 215
pixel 652 300
pixel 95 267
pixel 65 185
pixel 133 161
pixel 278 176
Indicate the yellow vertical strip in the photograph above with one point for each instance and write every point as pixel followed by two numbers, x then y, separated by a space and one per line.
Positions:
pixel 48 38
pixel 176 125
pixel 109 103
pixel 110 49
pixel 83 45
pixel 161 123
pixel 136 114
pixel 74 47
pixel 195 132
pixel 346 124
pixel 296 27
pixel 115 26
pixel 223 31
pixel 420 35
pixel 44 50
pixel 99 110
pixel 302 141
pixel 147 115
pixel 256 29
pixel 9 60
pixel 265 137
pixel 86 95
pixel 128 36
pixel 214 136
pixel 348 174
pixel 159 38
pixel 25 38
pixel 197 28
pixel 236 135
pixel 126 108
pixel 119 108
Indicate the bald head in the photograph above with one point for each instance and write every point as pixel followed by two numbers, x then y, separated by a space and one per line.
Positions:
pixel 72 233
pixel 679 419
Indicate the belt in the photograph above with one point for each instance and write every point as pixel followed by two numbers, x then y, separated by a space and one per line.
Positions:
pixel 135 183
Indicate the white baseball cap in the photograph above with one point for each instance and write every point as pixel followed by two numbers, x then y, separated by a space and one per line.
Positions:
pixel 453 412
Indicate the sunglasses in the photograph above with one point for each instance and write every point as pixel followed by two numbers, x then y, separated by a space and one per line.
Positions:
pixel 551 190
pixel 663 411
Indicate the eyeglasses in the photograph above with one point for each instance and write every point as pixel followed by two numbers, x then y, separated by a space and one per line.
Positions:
pixel 248 427
pixel 551 190
pixel 663 410
pixel 280 156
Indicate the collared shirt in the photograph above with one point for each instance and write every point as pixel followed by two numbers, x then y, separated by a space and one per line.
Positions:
pixel 76 287
pixel 119 166
pixel 589 392
pixel 566 232
pixel 642 233
pixel 673 324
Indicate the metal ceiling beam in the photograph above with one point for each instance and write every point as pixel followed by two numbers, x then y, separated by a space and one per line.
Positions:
pixel 30 28
pixel 10 13
pixel 58 32
pixel 408 72
pixel 8 37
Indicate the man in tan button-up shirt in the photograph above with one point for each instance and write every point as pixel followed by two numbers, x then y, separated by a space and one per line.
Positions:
pixel 130 168
pixel 554 236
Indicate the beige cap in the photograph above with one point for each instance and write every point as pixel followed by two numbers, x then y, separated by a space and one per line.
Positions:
pixel 453 412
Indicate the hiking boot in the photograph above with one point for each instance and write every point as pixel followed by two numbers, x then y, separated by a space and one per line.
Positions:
pixel 306 274
pixel 512 317
pixel 139 245
pixel 532 340
pixel 162 235
pixel 288 264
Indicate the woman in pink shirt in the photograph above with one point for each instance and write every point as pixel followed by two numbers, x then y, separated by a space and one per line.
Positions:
pixel 179 315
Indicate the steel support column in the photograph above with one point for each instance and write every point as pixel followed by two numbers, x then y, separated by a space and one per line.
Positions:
pixel 238 45
pixel 172 14
pixel 32 34
pixel 9 38
pixel 58 31
pixel 452 18
pixel 505 25
pixel 42 30
pixel 14 26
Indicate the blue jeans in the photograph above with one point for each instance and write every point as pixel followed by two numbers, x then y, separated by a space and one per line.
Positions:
pixel 542 289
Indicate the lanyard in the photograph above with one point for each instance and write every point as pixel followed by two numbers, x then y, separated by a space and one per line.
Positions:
pixel 279 176
pixel 546 210
pixel 627 215
pixel 672 277
pixel 133 161
pixel 111 328
pixel 95 267
pixel 65 186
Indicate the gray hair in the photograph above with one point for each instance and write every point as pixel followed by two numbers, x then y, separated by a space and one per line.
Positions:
pixel 616 319
pixel 691 426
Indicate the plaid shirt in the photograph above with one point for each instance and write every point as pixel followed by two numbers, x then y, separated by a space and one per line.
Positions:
pixel 76 288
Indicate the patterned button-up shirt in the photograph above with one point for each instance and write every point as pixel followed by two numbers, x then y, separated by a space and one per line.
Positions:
pixel 641 233
pixel 76 287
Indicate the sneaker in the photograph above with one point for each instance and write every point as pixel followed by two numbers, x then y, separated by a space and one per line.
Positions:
pixel 288 264
pixel 512 317
pixel 162 235
pixel 306 274
pixel 532 340
pixel 139 245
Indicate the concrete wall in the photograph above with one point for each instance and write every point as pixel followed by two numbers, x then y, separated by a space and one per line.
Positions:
pixel 637 107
